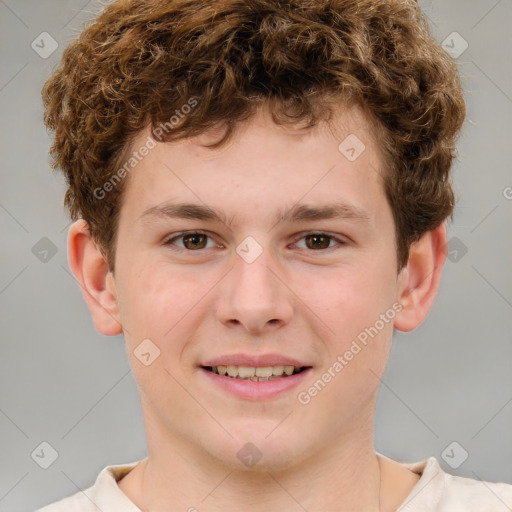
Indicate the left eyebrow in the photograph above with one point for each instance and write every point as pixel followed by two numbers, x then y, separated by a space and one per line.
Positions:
pixel 298 213
pixel 301 212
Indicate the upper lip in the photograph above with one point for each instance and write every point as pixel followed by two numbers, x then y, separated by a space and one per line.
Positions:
pixel 254 360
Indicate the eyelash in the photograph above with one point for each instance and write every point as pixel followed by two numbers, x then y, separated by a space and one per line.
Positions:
pixel 183 234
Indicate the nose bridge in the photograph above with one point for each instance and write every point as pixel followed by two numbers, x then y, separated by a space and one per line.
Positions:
pixel 255 296
pixel 255 278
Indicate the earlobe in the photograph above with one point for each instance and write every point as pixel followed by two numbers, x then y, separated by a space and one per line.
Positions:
pixel 419 281
pixel 97 283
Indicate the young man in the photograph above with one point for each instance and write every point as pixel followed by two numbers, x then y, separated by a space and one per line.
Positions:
pixel 259 191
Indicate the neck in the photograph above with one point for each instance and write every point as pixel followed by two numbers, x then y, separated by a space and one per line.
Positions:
pixel 344 476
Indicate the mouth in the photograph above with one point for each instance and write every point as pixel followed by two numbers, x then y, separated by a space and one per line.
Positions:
pixel 266 377
pixel 256 373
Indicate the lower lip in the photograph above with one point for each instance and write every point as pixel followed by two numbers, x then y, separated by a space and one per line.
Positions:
pixel 251 390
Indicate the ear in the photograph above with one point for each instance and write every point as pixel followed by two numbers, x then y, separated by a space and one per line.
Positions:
pixel 419 280
pixel 96 281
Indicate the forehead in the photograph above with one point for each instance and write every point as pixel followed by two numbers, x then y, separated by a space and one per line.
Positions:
pixel 264 165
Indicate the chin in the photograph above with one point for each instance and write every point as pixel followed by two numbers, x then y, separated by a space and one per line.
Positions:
pixel 251 450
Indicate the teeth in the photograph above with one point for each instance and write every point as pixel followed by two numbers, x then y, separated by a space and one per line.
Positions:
pixel 277 370
pixel 232 371
pixel 245 372
pixel 288 370
pixel 261 373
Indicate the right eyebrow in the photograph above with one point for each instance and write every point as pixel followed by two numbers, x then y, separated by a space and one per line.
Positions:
pixel 185 211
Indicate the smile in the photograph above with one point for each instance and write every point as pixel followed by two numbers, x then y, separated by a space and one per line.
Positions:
pixel 256 374
pixel 254 378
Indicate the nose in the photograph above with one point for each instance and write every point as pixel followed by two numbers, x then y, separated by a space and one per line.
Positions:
pixel 255 296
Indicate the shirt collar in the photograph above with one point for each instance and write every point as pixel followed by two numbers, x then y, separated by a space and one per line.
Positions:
pixel 424 496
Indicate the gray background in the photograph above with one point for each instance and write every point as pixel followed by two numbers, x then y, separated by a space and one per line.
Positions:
pixel 63 383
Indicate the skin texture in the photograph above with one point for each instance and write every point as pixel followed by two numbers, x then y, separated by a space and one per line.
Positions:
pixel 309 304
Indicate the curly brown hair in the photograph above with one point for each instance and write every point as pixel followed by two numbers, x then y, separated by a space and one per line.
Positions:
pixel 140 61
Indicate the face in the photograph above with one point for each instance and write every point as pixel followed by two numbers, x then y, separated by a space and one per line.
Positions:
pixel 277 251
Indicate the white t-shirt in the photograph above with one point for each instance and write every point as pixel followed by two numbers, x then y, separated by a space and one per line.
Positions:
pixel 435 491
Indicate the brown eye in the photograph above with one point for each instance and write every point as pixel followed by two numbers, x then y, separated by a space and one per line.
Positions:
pixel 317 241
pixel 191 241
pixel 195 241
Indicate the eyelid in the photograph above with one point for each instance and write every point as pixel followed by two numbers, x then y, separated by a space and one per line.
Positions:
pixel 176 236
pixel 180 234
pixel 338 239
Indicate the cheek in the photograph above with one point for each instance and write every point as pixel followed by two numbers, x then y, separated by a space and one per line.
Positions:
pixel 158 306
pixel 157 296
pixel 349 300
pixel 357 305
pixel 166 307
pixel 358 348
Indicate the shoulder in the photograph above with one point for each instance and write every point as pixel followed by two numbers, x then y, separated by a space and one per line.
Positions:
pixel 104 496
pixel 439 491
pixel 79 502
pixel 467 494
